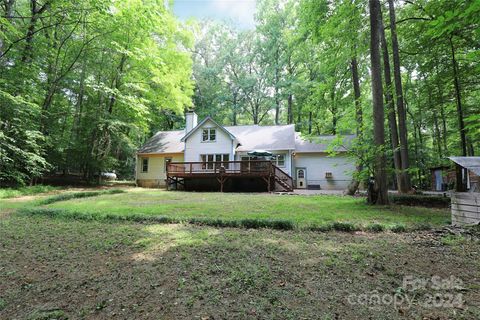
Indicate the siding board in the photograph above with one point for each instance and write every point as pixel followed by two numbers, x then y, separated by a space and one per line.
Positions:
pixel 465 208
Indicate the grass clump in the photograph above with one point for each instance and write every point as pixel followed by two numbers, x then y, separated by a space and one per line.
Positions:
pixel 25 191
pixel 422 227
pixel 48 315
pixel 344 227
pixel 78 195
pixel 453 240
pixel 420 200
pixel 220 223
pixel 375 227
pixel 398 228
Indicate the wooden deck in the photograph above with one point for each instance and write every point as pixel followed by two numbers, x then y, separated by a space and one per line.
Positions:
pixel 274 177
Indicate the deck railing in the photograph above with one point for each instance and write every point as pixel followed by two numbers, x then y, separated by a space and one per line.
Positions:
pixel 227 167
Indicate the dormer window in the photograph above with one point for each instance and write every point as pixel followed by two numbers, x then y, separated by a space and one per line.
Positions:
pixel 209 135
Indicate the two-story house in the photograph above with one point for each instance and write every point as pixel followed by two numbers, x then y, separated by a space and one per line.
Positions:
pixel 206 150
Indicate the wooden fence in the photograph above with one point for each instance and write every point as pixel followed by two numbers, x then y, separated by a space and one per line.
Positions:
pixel 465 208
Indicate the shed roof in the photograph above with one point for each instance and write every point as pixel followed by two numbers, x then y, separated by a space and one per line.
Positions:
pixel 470 163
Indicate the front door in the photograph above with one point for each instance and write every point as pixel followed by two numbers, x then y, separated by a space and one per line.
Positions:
pixel 301 178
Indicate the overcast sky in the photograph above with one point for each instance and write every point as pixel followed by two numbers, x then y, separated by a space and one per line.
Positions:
pixel 239 12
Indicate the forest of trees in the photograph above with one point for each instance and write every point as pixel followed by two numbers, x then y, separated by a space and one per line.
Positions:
pixel 84 83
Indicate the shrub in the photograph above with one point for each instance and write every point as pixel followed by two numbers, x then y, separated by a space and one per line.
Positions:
pixel 420 200
pixel 77 195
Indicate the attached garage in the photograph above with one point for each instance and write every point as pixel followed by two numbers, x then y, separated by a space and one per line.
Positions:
pixel 314 168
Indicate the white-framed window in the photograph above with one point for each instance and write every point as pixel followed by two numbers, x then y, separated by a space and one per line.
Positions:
pixel 279 160
pixel 209 161
pixel 144 164
pixel 209 135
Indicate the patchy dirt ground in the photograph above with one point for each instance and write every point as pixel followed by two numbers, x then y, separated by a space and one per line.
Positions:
pixel 59 269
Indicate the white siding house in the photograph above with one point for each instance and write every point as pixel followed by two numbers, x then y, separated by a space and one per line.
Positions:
pixel 308 161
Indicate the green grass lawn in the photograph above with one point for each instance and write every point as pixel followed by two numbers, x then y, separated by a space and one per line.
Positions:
pixel 76 269
pixel 25 191
pixel 302 211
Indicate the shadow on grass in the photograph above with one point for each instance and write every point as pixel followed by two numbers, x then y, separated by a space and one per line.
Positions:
pixel 104 270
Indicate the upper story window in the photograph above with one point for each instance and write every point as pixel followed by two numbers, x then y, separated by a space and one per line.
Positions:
pixel 209 135
pixel 144 164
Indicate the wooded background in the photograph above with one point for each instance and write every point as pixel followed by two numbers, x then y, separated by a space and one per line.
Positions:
pixel 84 84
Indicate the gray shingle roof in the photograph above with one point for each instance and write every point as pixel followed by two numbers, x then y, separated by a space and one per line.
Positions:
pixel 251 137
pixel 320 143
pixel 254 137
pixel 164 142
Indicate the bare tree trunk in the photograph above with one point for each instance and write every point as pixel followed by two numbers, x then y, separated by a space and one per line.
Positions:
pixel 310 122
pixel 116 82
pixel 355 183
pixel 444 129
pixel 392 117
pixel 277 100
pixel 402 115
pixel 380 186
pixel 290 109
pixel 234 113
pixel 460 174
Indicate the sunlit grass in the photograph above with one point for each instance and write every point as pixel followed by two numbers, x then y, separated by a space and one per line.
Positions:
pixel 302 211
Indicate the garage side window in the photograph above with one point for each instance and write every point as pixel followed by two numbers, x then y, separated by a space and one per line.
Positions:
pixel 144 164
pixel 280 160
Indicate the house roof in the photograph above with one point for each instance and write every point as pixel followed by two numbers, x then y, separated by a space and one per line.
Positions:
pixel 164 142
pixel 249 137
pixel 201 123
pixel 320 143
pixel 470 163
pixel 252 137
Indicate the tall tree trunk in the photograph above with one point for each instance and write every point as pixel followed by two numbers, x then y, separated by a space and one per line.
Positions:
pixel 310 122
pixel 355 183
pixel 35 13
pixel 460 174
pixel 380 187
pixel 402 115
pixel 392 117
pixel 8 5
pixel 444 129
pixel 438 139
pixel 116 82
pixel 290 108
pixel 277 99
pixel 234 115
